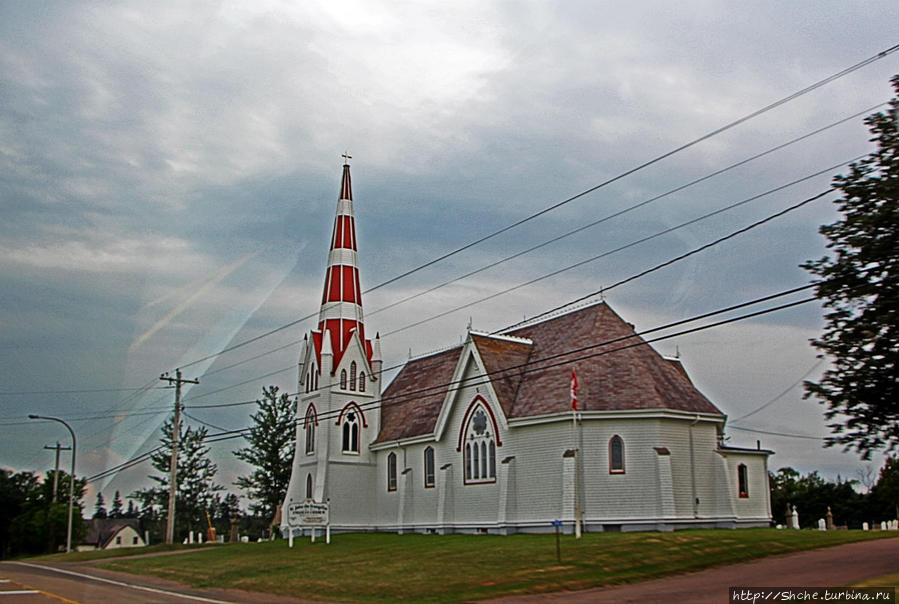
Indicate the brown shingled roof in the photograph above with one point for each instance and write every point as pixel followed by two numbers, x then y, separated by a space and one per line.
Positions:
pixel 411 403
pixel 635 377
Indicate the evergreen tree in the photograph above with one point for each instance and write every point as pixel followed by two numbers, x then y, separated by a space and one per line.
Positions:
pixel 859 286
pixel 117 505
pixel 132 511
pixel 270 452
pixel 100 507
pixel 196 485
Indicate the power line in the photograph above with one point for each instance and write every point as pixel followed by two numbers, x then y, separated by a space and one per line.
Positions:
pixel 884 53
pixel 788 435
pixel 527 367
pixel 627 209
pixel 632 244
pixel 782 394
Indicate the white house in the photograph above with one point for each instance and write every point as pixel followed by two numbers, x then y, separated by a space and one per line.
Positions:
pixel 484 437
pixel 112 533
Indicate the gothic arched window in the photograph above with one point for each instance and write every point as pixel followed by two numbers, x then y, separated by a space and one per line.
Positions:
pixel 616 455
pixel 343 379
pixel 480 447
pixel 351 432
pixel 353 375
pixel 308 486
pixel 309 428
pixel 361 381
pixel 391 472
pixel 429 467
pixel 743 480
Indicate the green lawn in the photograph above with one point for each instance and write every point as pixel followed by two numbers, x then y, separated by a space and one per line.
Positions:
pixel 433 568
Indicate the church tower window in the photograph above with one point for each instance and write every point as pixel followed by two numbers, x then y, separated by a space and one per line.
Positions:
pixel 480 448
pixel 309 428
pixel 362 381
pixel 351 433
pixel 343 379
pixel 308 486
pixel 743 480
pixel 616 455
pixel 391 472
pixel 353 375
pixel 429 467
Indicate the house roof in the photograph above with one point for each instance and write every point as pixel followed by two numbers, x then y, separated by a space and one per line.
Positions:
pixel 101 531
pixel 530 370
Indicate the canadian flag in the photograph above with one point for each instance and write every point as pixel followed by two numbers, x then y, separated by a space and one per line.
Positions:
pixel 573 390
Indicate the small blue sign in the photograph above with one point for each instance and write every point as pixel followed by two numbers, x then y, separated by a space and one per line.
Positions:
pixel 557 523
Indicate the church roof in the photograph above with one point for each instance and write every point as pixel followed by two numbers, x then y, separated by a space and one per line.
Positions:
pixel 531 374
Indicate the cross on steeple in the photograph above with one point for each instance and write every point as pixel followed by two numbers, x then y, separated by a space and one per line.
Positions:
pixel 346 158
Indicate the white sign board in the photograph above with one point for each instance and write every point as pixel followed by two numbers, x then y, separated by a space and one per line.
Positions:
pixel 307 513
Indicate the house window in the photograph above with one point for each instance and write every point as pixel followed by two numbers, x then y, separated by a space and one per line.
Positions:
pixel 118 540
pixel 362 381
pixel 429 467
pixel 309 427
pixel 308 486
pixel 616 455
pixel 134 541
pixel 343 379
pixel 353 375
pixel 480 448
pixel 742 480
pixel 391 472
pixel 351 432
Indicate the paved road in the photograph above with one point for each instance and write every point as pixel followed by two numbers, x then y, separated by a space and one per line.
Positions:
pixel 27 583
pixel 829 567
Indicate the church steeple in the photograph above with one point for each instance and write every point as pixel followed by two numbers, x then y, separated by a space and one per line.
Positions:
pixel 341 308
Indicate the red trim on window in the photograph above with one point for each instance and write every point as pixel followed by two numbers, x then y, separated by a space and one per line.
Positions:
pixel 478 399
pixel 312 408
pixel 358 409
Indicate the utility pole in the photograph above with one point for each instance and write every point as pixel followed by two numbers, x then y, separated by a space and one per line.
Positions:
pixel 176 430
pixel 57 448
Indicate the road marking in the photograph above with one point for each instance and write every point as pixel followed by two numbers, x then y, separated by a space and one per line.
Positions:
pixel 19 592
pixel 34 590
pixel 122 583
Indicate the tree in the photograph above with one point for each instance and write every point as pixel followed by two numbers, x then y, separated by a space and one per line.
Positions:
pixel 30 523
pixel 860 290
pixel 195 477
pixel 885 494
pixel 811 495
pixel 100 506
pixel 117 505
pixel 270 452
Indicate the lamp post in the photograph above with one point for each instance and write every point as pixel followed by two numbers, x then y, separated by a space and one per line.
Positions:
pixel 71 477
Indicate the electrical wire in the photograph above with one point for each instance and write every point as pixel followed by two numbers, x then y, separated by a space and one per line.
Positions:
pixel 882 54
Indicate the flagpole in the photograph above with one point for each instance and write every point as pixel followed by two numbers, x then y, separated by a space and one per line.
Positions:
pixel 574 433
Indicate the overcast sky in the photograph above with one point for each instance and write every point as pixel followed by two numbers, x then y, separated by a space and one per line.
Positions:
pixel 169 174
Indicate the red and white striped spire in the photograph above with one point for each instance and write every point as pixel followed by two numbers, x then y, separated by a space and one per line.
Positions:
pixel 341 309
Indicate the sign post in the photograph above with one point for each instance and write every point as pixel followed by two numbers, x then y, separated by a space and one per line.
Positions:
pixel 556 525
pixel 311 514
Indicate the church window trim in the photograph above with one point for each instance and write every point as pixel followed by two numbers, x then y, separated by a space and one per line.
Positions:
pixel 353 376
pixel 343 379
pixel 361 381
pixel 309 424
pixel 430 466
pixel 616 455
pixel 743 481
pixel 391 472
pixel 481 435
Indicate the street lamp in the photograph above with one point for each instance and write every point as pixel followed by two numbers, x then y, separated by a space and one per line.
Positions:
pixel 71 477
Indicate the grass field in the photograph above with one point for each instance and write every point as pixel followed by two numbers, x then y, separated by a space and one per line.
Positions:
pixel 453 568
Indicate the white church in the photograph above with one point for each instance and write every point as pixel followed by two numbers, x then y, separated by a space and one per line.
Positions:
pixel 573 419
